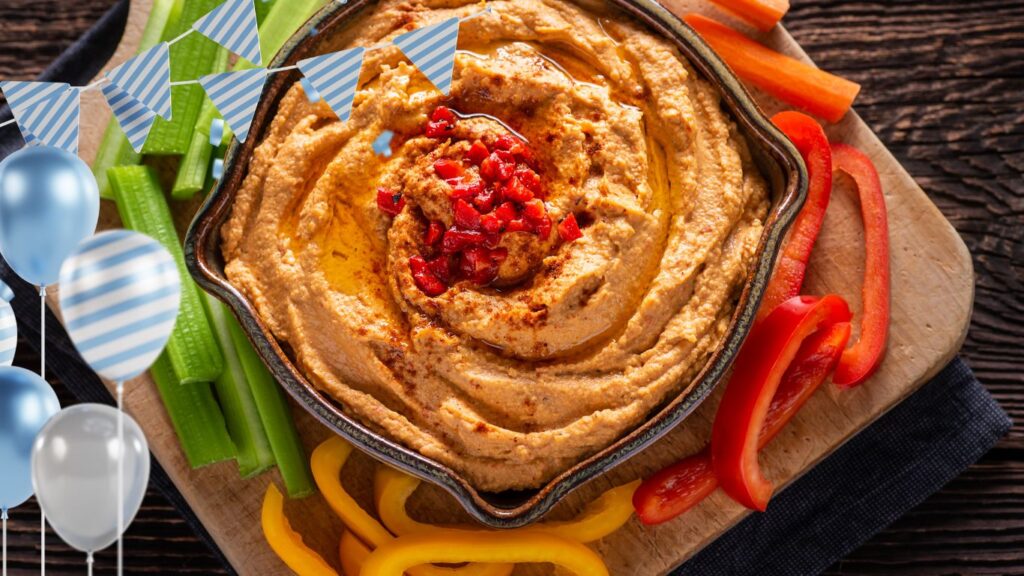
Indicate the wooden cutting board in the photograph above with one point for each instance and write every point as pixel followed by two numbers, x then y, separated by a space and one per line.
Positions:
pixel 932 295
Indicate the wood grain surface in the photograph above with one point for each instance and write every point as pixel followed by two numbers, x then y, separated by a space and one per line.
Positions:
pixel 942 88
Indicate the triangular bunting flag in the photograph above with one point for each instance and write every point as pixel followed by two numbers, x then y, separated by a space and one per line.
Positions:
pixel 432 50
pixel 233 26
pixel 135 118
pixel 147 79
pixel 236 95
pixel 335 76
pixel 47 112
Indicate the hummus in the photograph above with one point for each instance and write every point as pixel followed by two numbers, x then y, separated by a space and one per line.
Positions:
pixel 512 366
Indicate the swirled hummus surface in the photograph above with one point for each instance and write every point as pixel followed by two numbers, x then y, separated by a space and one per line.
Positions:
pixel 510 352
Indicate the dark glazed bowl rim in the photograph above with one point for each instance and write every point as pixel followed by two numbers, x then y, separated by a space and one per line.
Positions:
pixel 775 154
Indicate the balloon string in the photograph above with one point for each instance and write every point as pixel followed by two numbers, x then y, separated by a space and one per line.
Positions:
pixel 120 478
pixel 3 517
pixel 89 561
pixel 42 374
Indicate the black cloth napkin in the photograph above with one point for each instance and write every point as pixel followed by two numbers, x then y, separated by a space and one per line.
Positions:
pixel 869 482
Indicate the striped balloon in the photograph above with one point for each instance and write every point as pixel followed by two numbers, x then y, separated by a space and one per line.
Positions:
pixel 119 295
pixel 8 327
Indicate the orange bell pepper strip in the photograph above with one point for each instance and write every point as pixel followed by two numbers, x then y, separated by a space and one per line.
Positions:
pixel 761 14
pixel 791 266
pixel 353 553
pixel 286 542
pixel 449 546
pixel 603 516
pixel 790 80
pixel 766 355
pixel 683 485
pixel 328 460
pixel 862 359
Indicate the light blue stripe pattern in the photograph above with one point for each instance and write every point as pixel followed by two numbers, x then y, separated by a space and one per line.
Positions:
pixel 335 76
pixel 8 334
pixel 233 26
pixel 147 79
pixel 134 118
pixel 120 293
pixel 432 50
pixel 236 95
pixel 47 112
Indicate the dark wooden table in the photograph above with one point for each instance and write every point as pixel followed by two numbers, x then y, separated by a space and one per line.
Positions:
pixel 944 89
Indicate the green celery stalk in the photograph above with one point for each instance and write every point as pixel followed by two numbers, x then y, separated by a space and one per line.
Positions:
pixel 191 57
pixel 276 26
pixel 194 165
pixel 262 8
pixel 115 150
pixel 192 349
pixel 275 413
pixel 243 418
pixel 196 417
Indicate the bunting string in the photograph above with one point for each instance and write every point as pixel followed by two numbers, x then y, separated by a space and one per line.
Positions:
pixel 139 90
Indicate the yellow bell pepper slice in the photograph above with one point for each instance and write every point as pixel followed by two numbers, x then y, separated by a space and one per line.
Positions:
pixel 286 542
pixel 447 546
pixel 353 554
pixel 327 462
pixel 603 516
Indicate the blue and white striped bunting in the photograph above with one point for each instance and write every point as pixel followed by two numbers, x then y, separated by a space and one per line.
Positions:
pixel 432 50
pixel 135 118
pixel 236 95
pixel 233 26
pixel 119 295
pixel 147 78
pixel 336 77
pixel 47 112
pixel 8 334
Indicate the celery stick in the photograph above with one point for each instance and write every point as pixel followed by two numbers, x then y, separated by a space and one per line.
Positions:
pixel 192 349
pixel 194 165
pixel 191 57
pixel 195 415
pixel 115 150
pixel 243 418
pixel 277 419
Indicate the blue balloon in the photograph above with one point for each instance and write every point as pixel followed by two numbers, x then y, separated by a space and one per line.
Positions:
pixel 26 404
pixel 49 202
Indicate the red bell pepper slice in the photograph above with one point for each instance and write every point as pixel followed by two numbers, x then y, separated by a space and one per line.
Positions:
pixel 791 267
pixel 862 359
pixel 766 355
pixel 683 485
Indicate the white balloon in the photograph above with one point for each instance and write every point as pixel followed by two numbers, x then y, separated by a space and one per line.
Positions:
pixel 74 473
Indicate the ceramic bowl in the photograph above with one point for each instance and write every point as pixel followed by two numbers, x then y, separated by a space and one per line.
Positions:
pixel 776 157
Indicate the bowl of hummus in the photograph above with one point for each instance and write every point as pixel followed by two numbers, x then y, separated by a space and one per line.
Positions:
pixel 525 281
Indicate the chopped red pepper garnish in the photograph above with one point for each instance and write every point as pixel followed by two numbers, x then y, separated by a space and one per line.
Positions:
pixel 424 277
pixel 862 359
pixel 569 229
pixel 434 233
pixel 788 275
pixel 757 372
pixel 465 215
pixel 515 191
pixel 389 203
pixel 477 152
pixel 448 169
pixel 443 114
pixel 506 142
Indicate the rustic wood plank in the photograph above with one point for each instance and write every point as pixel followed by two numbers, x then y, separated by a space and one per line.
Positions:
pixel 942 83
